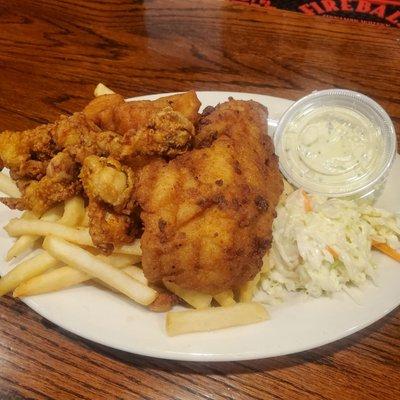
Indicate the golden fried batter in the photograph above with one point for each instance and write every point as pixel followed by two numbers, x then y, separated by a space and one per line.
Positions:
pixel 167 133
pixel 27 153
pixel 59 184
pixel 133 133
pixel 107 180
pixel 108 228
pixel 111 112
pixel 112 212
pixel 208 213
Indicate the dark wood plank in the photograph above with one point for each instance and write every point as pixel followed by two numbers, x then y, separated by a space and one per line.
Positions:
pixel 51 56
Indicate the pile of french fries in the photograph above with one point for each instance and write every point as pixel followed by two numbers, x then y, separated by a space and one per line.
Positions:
pixel 65 256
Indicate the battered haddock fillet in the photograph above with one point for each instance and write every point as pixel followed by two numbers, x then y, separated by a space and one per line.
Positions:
pixel 208 213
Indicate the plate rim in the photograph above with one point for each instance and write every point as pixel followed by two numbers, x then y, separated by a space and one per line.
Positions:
pixel 211 357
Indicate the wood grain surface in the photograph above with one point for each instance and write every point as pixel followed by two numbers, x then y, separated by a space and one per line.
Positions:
pixel 52 53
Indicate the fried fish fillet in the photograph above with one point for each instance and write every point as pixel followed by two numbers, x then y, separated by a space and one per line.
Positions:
pixel 208 213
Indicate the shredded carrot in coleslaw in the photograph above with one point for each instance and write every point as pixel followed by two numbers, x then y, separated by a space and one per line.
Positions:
pixel 384 248
pixel 334 253
pixel 307 202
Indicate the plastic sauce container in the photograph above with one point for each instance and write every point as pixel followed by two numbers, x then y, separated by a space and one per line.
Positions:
pixel 337 143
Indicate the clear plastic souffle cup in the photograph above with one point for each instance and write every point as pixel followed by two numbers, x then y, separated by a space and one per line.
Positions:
pixel 337 143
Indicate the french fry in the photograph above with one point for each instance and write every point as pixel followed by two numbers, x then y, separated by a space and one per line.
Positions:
pixel 136 273
pixel 86 262
pixel 28 215
pixel 18 227
pixel 74 212
pixel 51 281
pixel 85 220
pixel 119 260
pixel 54 214
pixel 210 319
pixel 195 299
pixel 8 186
pixel 246 292
pixel 133 249
pixel 265 264
pixel 27 242
pixel 225 298
pixel 80 236
pixel 64 277
pixel 133 271
pixel 102 89
pixel 27 269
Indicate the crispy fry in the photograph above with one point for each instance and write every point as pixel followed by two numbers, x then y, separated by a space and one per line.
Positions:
pixel 80 236
pixel 74 212
pixel 27 242
pixel 51 281
pixel 225 298
pixel 28 215
pixel 86 262
pixel 132 249
pixel 26 270
pixel 23 243
pixel 18 227
pixel 386 249
pixel 119 260
pixel 8 186
pixel 195 299
pixel 85 219
pixel 54 214
pixel 136 273
pixel 101 90
pixel 214 318
pixel 265 266
pixel 64 277
pixel 246 292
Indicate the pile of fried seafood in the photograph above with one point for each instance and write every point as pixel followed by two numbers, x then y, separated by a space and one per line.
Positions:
pixel 199 189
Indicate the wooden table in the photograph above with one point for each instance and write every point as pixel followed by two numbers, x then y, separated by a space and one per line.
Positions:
pixel 53 53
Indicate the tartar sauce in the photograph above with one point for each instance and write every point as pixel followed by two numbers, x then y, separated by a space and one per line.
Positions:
pixel 332 148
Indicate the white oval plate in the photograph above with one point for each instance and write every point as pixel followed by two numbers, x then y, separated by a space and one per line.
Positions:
pixel 301 324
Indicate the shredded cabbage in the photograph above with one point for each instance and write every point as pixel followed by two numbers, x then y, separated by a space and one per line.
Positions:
pixel 326 249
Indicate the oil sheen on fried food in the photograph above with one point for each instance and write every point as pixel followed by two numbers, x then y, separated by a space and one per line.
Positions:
pixel 333 147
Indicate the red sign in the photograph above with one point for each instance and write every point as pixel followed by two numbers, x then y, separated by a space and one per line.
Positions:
pixel 372 11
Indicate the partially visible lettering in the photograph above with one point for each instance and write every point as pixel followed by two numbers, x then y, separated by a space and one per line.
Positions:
pixel 363 7
pixel 345 6
pixel 317 8
pixel 329 5
pixel 359 6
pixel 305 8
pixel 394 18
pixel 381 11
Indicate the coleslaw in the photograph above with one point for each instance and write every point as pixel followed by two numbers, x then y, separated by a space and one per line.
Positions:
pixel 321 246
